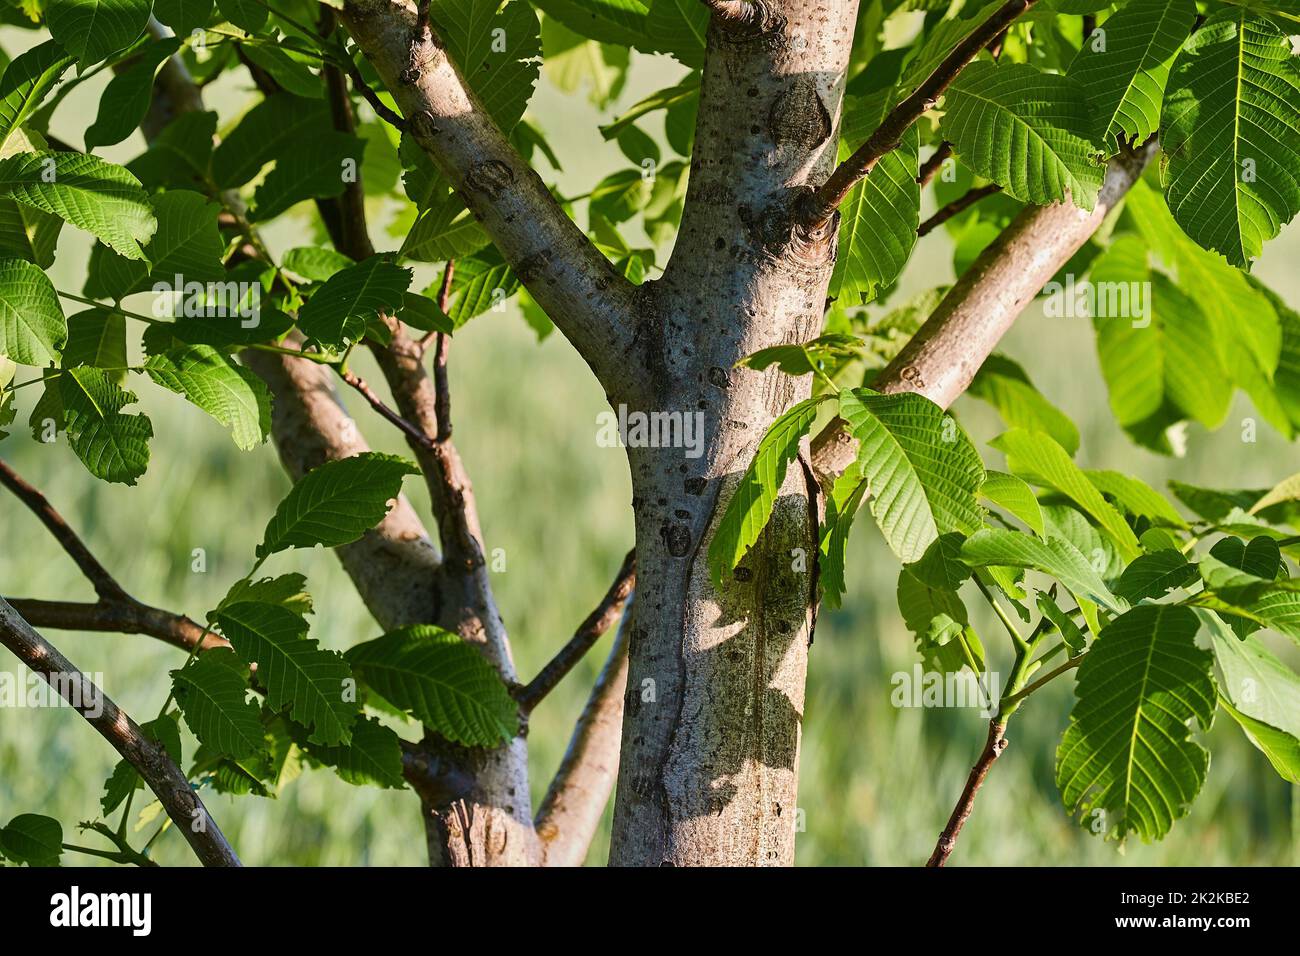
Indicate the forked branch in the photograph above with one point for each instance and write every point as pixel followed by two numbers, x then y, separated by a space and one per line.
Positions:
pixel 597 623
pixel 147 756
pixel 825 200
pixel 116 610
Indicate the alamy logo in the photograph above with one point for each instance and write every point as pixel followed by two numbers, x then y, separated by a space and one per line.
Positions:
pixel 207 300
pixel 932 689
pixel 61 689
pixel 75 909
pixel 1100 300
pixel 635 429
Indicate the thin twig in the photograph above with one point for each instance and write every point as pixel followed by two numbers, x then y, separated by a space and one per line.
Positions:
pixel 104 583
pixel 822 203
pixel 116 610
pixel 1021 694
pixel 570 813
pixel 930 168
pixel 993 747
pixel 148 757
pixel 444 302
pixel 597 623
pixel 410 430
pixel 958 205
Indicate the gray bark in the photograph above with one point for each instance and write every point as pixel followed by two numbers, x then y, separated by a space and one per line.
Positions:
pixel 715 699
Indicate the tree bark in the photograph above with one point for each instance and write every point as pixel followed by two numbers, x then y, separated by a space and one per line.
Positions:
pixel 715 692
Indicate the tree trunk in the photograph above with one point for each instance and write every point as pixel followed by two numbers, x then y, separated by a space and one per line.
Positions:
pixel 709 768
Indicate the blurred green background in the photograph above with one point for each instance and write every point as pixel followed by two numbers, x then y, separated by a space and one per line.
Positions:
pixel 877 783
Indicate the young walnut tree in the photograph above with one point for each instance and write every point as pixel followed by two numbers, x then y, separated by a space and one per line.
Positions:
pixel 1127 160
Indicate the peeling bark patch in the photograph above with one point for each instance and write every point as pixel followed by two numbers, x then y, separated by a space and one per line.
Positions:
pixel 798 118
pixel 489 177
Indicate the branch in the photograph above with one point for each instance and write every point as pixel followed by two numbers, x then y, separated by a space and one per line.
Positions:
pixel 930 168
pixel 119 617
pixel 584 638
pixel 590 302
pixel 821 204
pixel 940 360
pixel 575 801
pixel 148 757
pixel 993 747
pixel 115 610
pixel 105 585
pixel 958 205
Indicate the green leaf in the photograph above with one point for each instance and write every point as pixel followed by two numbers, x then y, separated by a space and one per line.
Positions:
pixel 183 16
pixel 317 168
pixel 372 756
pixel 1152 575
pixel 821 354
pixel 1281 749
pixel 180 156
pixel 1261 693
pixel 751 504
pixel 937 617
pixel 32 327
pixel 1211 504
pixel 1136 497
pixel 272 129
pixel 620 22
pixel 97 338
pixel 315 263
pixel 880 215
pixel 25 83
pixel 248 15
pixel 112 446
pixel 286 590
pixel 340 310
pixel 444 230
pixel 1069 631
pixel 103 199
pixel 314 685
pixel 1054 556
pixel 1128 751
pixel 1231 135
pixel 679 27
pixel 187 247
pixel 1013 494
pixel 1160 356
pixel 32 839
pixel 444 682
pixel 1035 457
pixel 1005 385
pixel 422 313
pixel 232 394
pixel 481 282
pixel 92 30
pixel 293 73
pixel 126 98
pixel 498 50
pixel 1025 130
pixel 1286 490
pixel 336 502
pixel 213 695
pixel 921 468
pixel 1126 67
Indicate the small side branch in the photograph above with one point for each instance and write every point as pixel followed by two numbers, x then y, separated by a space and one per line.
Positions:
pixel 930 168
pixel 148 757
pixel 993 747
pixel 747 15
pixel 597 623
pixel 570 812
pixel 822 203
pixel 116 610
pixel 956 207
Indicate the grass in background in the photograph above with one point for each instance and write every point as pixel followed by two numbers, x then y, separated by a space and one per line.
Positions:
pixel 877 783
